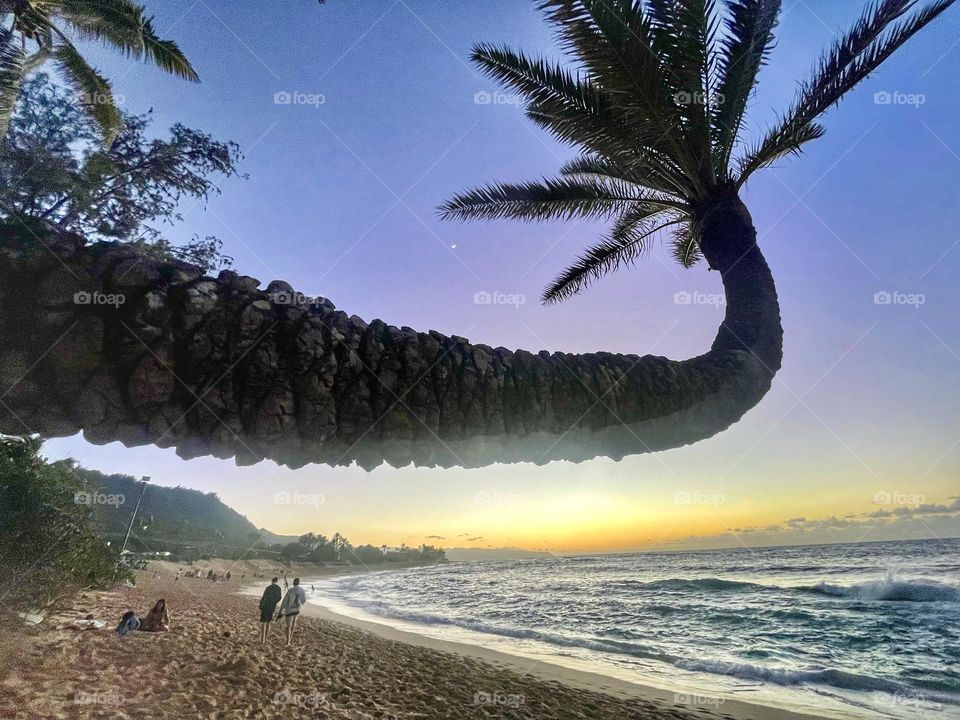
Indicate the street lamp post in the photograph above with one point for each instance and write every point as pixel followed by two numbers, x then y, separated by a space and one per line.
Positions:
pixel 145 479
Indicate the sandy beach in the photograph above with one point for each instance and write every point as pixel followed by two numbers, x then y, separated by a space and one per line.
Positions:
pixel 211 665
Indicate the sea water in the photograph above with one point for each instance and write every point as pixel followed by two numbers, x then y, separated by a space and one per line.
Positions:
pixel 849 631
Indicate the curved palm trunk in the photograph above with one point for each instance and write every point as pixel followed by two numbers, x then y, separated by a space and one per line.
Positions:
pixel 217 366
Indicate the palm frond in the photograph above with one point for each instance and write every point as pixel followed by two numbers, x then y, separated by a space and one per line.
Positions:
pixel 684 35
pixel 165 54
pixel 686 246
pixel 574 109
pixel 613 39
pixel 123 25
pixel 549 199
pixel 746 48
pixel 12 60
pixel 852 58
pixel 642 168
pixel 93 90
pixel 781 146
pixel 627 241
pixel 113 22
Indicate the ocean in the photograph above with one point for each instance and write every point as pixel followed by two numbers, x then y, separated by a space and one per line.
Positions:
pixel 848 631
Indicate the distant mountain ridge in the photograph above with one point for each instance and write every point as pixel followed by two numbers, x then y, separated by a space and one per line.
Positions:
pixel 177 514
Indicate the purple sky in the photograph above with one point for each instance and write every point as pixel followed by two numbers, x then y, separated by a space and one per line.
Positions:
pixel 340 202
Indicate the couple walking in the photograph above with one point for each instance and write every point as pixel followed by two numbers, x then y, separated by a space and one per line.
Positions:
pixel 293 601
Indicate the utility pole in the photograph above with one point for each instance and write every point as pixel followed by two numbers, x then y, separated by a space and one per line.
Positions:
pixel 145 479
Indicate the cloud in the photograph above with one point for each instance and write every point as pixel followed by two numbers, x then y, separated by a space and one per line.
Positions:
pixel 475 539
pixel 434 537
pixel 921 520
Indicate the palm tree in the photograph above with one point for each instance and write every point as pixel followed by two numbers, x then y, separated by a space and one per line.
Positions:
pixel 48 26
pixel 99 338
pixel 657 108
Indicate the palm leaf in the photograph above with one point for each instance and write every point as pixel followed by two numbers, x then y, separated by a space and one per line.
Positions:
pixel 11 75
pixel 165 54
pixel 746 49
pixel 780 146
pixel 686 246
pixel 93 90
pixel 571 107
pixel 852 58
pixel 640 168
pixel 684 32
pixel 549 199
pixel 614 41
pixel 123 25
pixel 626 242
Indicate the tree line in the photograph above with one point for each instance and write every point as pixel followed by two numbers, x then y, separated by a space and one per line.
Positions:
pixel 316 548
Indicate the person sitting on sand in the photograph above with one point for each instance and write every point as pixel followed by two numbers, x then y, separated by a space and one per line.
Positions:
pixel 268 603
pixel 128 623
pixel 290 607
pixel 158 619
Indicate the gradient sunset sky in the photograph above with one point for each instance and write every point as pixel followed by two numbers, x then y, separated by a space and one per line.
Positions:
pixel 859 439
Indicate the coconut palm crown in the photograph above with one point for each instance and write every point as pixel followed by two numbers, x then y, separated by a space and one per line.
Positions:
pixel 657 106
pixel 47 28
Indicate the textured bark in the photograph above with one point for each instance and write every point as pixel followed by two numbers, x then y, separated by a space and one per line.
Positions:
pixel 219 366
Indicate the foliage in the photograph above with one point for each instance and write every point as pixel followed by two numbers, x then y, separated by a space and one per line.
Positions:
pixel 34 32
pixel 656 103
pixel 186 522
pixel 52 169
pixel 319 548
pixel 48 541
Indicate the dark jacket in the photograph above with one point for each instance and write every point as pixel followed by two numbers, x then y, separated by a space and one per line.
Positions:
pixel 271 596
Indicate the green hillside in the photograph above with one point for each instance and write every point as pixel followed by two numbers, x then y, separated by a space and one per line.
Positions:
pixel 187 522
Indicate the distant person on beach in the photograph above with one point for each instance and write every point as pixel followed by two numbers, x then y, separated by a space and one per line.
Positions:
pixel 128 623
pixel 268 603
pixel 158 619
pixel 293 601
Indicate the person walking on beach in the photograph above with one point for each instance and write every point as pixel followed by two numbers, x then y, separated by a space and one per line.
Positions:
pixel 290 607
pixel 268 603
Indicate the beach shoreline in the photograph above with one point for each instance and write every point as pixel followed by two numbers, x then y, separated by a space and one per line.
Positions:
pixel 211 665
pixel 555 673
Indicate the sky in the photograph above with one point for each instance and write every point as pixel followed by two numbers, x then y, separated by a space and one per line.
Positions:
pixel 859 438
